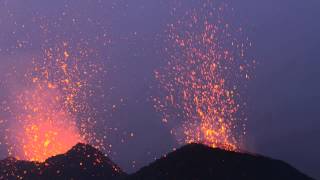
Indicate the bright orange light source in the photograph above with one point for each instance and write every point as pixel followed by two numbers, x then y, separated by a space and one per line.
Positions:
pixel 48 109
pixel 46 139
pixel 47 129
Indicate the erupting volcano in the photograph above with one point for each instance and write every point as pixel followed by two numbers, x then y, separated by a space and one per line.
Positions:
pixel 44 129
pixel 159 89
pixel 201 80
pixel 48 112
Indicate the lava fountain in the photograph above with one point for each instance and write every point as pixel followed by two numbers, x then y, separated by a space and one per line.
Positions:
pixel 201 78
pixel 46 112
pixel 44 128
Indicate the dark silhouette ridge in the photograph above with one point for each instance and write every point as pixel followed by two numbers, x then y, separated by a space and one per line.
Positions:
pixel 200 162
pixel 80 163
pixel 191 162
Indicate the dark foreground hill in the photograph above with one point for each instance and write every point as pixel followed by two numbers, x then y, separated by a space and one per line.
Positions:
pixel 191 162
pixel 82 162
pixel 199 162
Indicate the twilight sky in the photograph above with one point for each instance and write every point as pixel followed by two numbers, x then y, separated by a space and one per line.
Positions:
pixel 283 97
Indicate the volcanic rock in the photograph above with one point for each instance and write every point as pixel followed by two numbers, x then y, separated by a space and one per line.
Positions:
pixel 11 168
pixel 191 162
pixel 80 163
pixel 199 162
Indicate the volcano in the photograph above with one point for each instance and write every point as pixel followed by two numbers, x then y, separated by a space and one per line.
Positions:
pixel 191 162
pixel 200 162
pixel 79 163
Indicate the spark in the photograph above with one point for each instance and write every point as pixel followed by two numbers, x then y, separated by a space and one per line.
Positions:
pixel 200 79
pixel 47 114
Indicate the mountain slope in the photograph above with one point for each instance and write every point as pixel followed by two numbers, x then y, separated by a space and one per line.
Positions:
pixel 191 162
pixel 199 162
pixel 80 163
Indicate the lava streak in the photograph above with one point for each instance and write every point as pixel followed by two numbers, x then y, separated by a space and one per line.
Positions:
pixel 201 78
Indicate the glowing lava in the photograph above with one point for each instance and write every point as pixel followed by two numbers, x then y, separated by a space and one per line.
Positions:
pixel 200 81
pixel 49 110
pixel 44 128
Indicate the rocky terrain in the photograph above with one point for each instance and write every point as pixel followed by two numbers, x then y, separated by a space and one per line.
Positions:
pixel 191 162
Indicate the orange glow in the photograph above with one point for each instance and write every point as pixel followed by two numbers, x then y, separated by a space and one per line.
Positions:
pixel 46 111
pixel 46 128
pixel 200 81
pixel 45 139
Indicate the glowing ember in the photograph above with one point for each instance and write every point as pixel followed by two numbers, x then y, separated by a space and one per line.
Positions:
pixel 200 79
pixel 51 113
